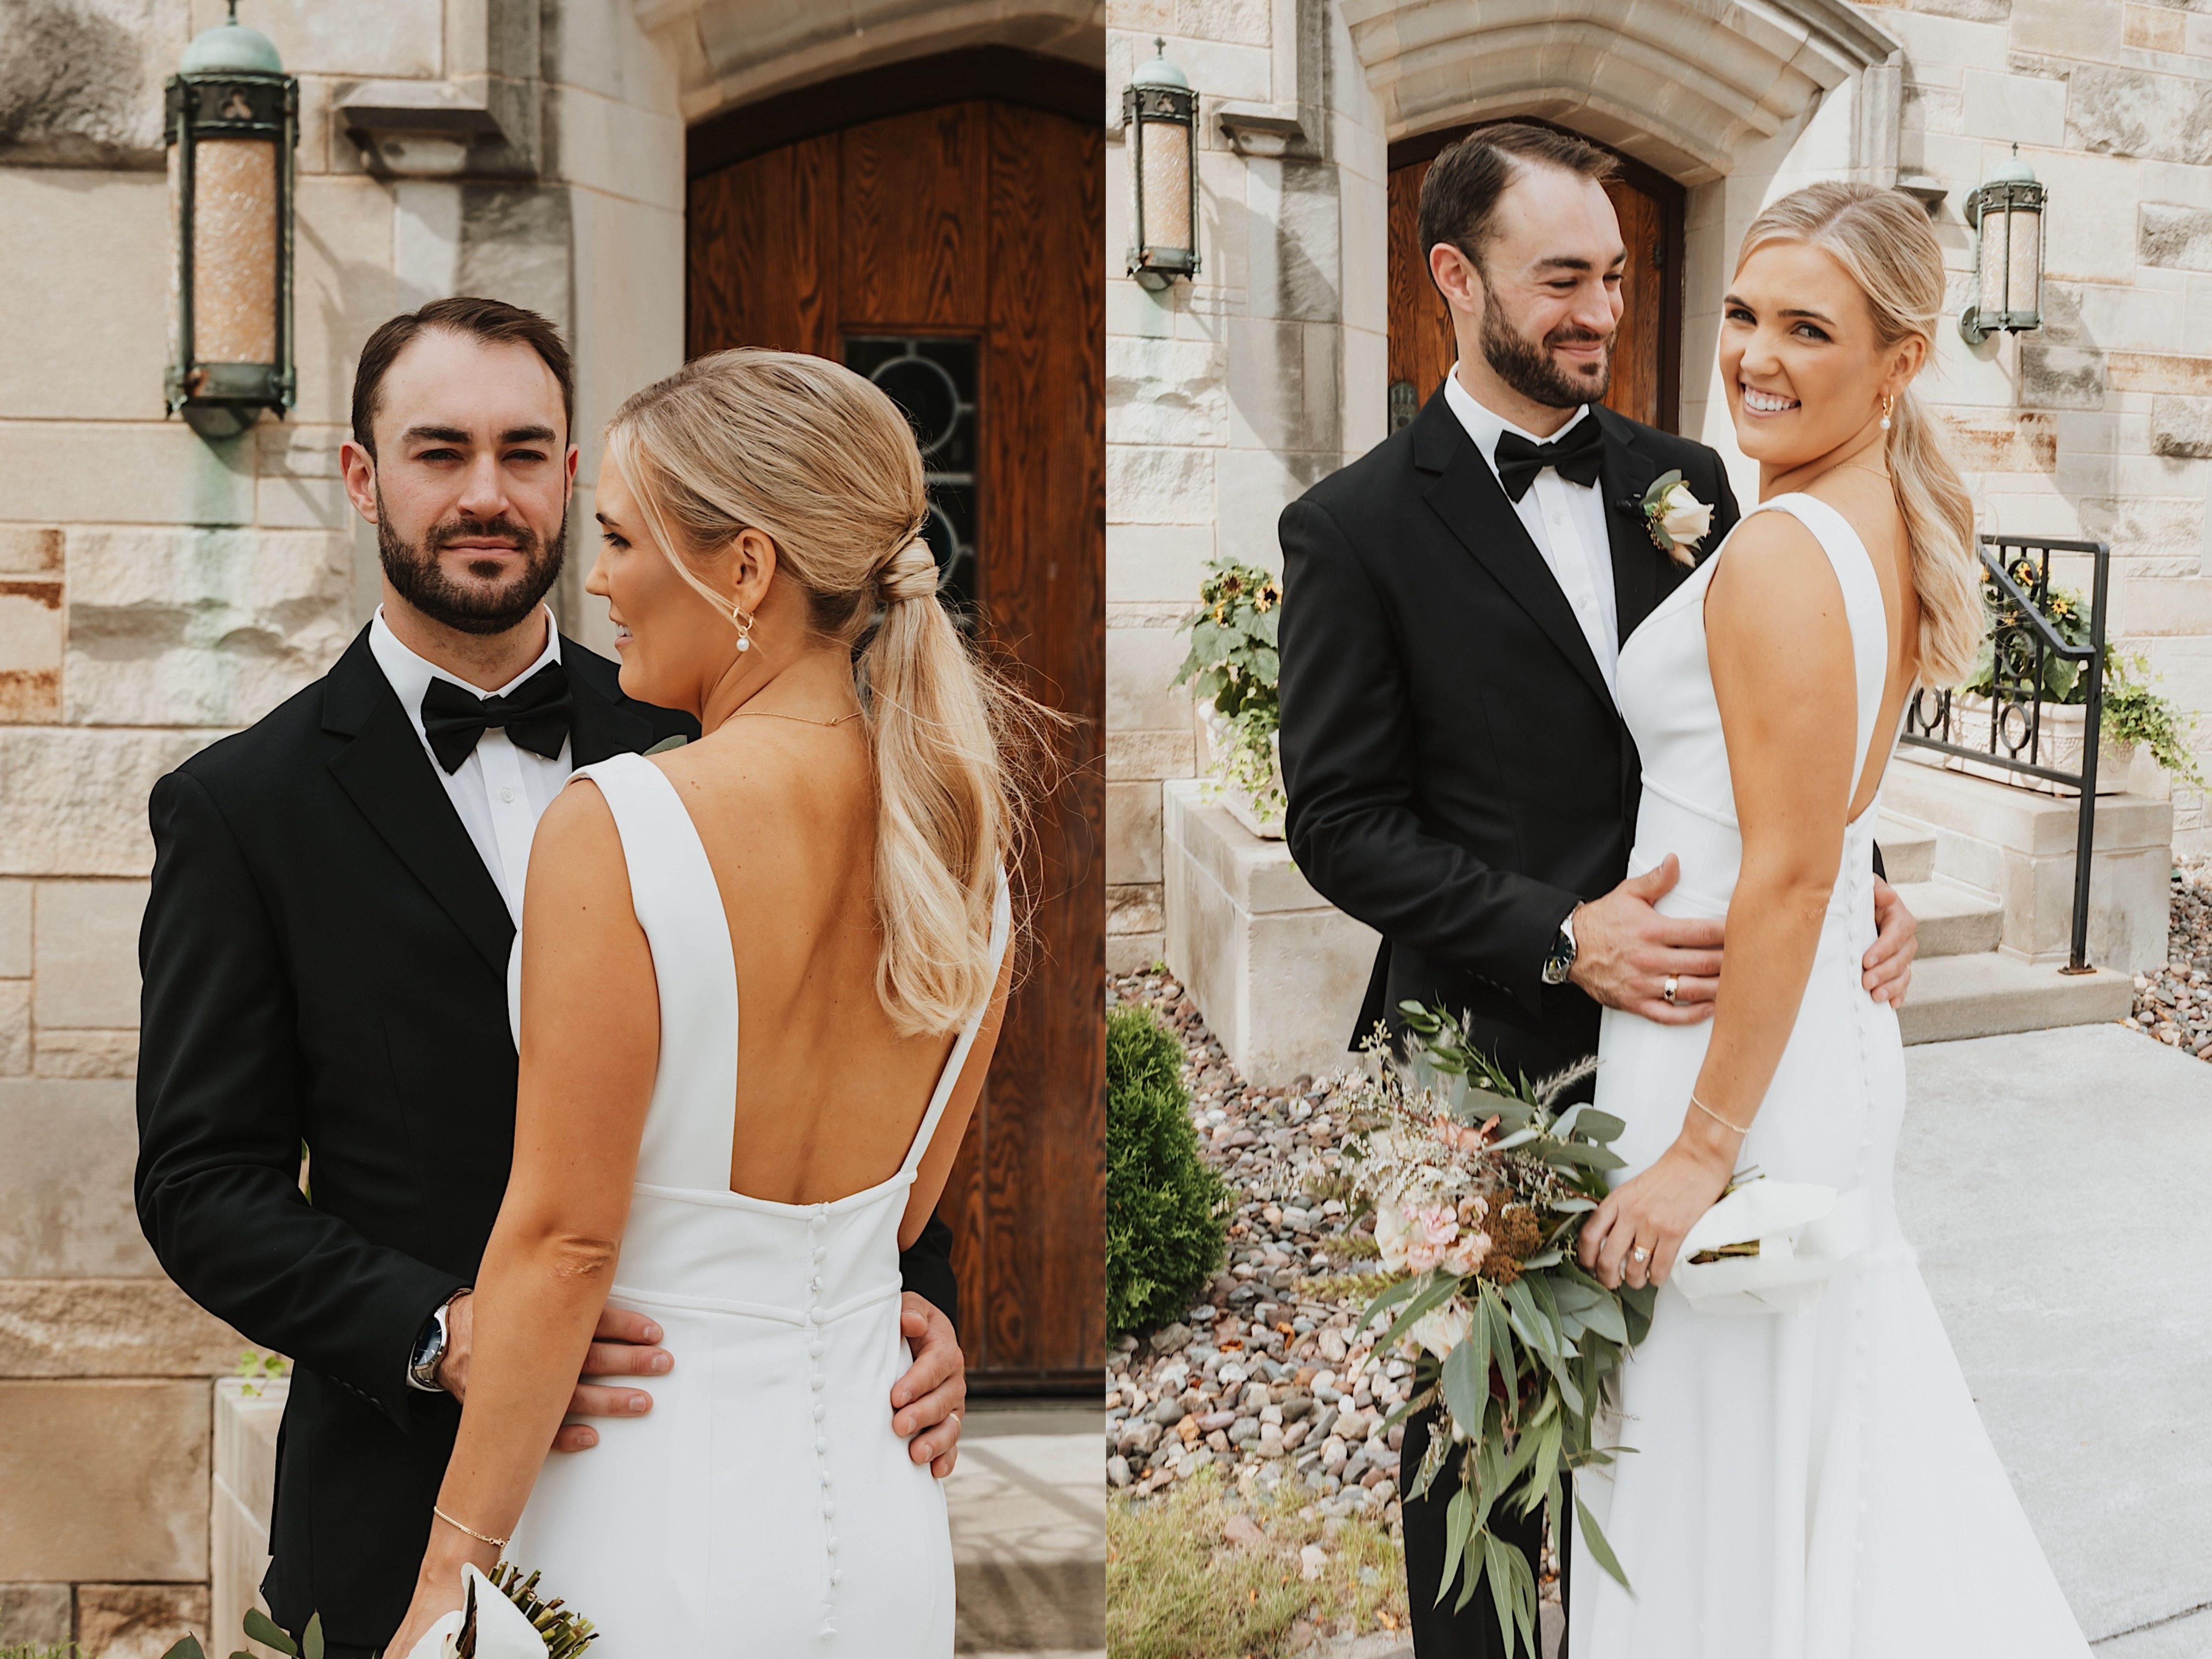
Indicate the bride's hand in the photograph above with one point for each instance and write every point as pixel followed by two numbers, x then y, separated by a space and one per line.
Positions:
pixel 437 1591
pixel 1652 1213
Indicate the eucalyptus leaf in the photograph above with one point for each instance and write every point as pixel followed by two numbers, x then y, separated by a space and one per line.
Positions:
pixel 1467 1378
pixel 186 1647
pixel 312 1641
pixel 1601 1126
pixel 1600 1552
pixel 1458 1526
pixel 261 1629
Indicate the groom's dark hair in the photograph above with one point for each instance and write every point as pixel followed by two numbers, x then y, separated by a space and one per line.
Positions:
pixel 1460 193
pixel 495 322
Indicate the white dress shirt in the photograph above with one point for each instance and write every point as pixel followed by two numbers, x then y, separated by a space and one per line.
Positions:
pixel 1565 520
pixel 500 790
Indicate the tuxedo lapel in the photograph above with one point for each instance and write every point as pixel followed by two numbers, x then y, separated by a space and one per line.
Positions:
pixel 1466 496
pixel 388 777
pixel 605 723
pixel 1626 473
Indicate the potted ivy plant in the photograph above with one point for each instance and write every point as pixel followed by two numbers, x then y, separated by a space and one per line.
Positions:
pixel 1231 669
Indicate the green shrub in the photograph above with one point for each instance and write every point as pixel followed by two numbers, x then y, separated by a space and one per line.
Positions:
pixel 1166 1212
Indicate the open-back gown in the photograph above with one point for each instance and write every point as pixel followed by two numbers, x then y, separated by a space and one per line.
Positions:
pixel 764 1506
pixel 1817 1485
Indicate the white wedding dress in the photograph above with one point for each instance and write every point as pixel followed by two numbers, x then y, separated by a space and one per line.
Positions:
pixel 764 1506
pixel 1816 1484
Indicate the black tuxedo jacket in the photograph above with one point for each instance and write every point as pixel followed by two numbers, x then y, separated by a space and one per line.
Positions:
pixel 1459 777
pixel 325 966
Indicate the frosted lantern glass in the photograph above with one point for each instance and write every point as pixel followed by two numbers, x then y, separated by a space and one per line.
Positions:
pixel 1166 185
pixel 2025 238
pixel 234 251
pixel 1992 300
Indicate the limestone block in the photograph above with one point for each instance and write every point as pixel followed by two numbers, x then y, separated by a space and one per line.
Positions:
pixel 86 1054
pixel 2174 236
pixel 2026 442
pixel 34 1615
pixel 1256 485
pixel 211 627
pixel 244 1492
pixel 290 449
pixel 2025 108
pixel 1157 563
pixel 392 37
pixel 104 1480
pixel 1295 252
pixel 14 929
pixel 2017 846
pixel 2154 28
pixel 301 504
pixel 1139 664
pixel 1134 953
pixel 1150 484
pixel 343 282
pixel 30 649
pixel 119 472
pixel 86 936
pixel 110 1327
pixel 1165 391
pixel 2060 377
pixel 65 1209
pixel 31 550
pixel 2158 372
pixel 1133 909
pixel 74 803
pixel 2072 28
pixel 1134 756
pixel 2130 112
pixel 137 1621
pixel 1281 395
pixel 1133 832
pixel 2182 427
pixel 86 269
pixel 81 83
pixel 2094 239
pixel 14 1027
pixel 1277 972
pixel 628 257
pixel 618 148
pixel 516 246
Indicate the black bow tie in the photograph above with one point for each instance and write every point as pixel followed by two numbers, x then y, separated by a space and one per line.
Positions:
pixel 1575 457
pixel 536 714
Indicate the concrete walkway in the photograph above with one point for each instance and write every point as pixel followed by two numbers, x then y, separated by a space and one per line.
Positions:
pixel 1028 1506
pixel 2053 1183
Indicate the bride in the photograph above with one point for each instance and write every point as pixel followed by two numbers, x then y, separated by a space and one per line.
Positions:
pixel 1813 1484
pixel 834 845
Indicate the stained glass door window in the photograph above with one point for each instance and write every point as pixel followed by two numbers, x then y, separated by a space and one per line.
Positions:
pixel 932 379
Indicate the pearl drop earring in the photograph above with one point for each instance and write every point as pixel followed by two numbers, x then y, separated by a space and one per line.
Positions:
pixel 745 625
pixel 1887 403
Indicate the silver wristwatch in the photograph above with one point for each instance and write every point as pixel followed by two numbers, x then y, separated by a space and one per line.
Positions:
pixel 430 1349
pixel 1561 962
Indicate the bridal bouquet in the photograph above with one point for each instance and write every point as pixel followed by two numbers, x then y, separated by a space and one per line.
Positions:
pixel 502 1617
pixel 1479 1183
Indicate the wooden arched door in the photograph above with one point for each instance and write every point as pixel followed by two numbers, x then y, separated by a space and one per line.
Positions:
pixel 950 252
pixel 1646 356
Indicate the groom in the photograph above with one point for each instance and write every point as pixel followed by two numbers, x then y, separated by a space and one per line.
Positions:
pixel 1454 605
pixel 325 953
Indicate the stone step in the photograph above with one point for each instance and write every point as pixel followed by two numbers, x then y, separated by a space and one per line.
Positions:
pixel 1986 995
pixel 1954 920
pixel 1908 851
pixel 1027 1504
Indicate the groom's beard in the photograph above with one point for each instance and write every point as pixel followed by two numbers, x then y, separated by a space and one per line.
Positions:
pixel 414 571
pixel 1529 368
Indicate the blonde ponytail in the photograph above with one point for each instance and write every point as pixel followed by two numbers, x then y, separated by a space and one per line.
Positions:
pixel 822 462
pixel 1882 239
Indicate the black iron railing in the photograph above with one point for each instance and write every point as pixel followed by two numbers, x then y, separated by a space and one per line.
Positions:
pixel 2026 646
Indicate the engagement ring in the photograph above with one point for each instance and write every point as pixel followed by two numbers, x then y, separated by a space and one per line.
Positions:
pixel 1639 1254
pixel 1669 989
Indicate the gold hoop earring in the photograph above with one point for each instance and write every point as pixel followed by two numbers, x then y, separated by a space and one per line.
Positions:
pixel 1888 402
pixel 745 626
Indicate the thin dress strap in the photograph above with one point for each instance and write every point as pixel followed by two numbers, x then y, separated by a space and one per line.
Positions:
pixel 1002 926
pixel 1865 612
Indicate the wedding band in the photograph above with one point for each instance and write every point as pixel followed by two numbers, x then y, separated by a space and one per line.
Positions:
pixel 1639 1256
pixel 1668 989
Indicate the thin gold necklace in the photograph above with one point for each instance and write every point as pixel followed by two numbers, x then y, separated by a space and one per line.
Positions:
pixel 771 714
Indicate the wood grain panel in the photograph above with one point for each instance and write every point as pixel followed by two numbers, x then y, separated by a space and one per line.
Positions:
pixel 983 218
pixel 1643 387
pixel 761 249
pixel 915 192
pixel 1044 1171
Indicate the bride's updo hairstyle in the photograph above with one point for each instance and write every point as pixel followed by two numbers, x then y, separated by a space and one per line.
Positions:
pixel 1882 239
pixel 822 462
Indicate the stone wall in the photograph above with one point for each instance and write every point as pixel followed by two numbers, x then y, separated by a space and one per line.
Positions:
pixel 158 590
pixel 1228 395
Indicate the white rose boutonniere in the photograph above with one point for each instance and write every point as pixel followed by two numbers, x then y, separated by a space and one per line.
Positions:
pixel 1677 520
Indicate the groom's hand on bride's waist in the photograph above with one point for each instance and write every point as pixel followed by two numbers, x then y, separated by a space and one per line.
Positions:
pixel 625 1344
pixel 1627 953
pixel 926 1403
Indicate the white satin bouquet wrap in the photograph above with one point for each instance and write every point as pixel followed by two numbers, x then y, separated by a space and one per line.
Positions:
pixel 503 1631
pixel 1803 1232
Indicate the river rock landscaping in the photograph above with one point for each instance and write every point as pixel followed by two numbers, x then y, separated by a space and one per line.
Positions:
pixel 2175 1003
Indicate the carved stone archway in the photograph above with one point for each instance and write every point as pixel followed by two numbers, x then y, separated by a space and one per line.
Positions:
pixel 1682 85
pixel 731 52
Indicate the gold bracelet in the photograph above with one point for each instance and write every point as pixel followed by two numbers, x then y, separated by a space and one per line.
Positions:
pixel 481 1537
pixel 1741 1129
